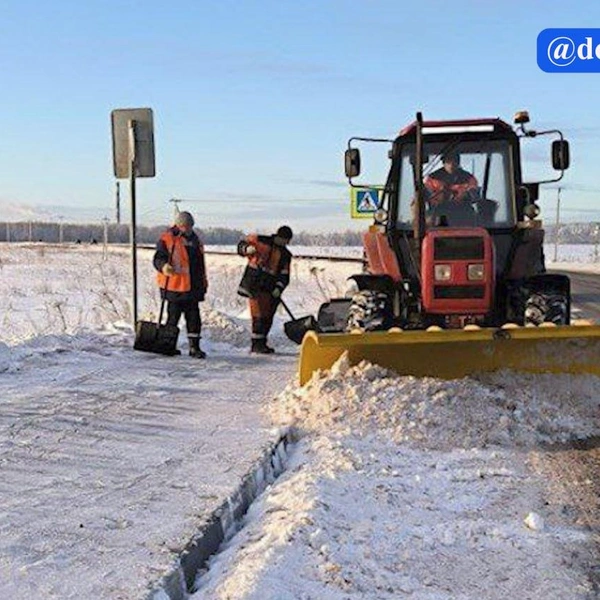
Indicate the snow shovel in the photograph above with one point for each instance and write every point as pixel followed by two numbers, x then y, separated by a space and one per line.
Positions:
pixel 155 337
pixel 296 328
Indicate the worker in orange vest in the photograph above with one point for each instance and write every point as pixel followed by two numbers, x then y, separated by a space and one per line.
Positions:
pixel 179 260
pixel 265 278
pixel 451 191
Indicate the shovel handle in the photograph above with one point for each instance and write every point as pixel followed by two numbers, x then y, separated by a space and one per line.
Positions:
pixel 162 303
pixel 164 298
pixel 287 310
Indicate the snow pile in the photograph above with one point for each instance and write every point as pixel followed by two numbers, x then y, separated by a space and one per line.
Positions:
pixel 51 349
pixel 499 409
pixel 355 518
pixel 421 488
pixel 220 327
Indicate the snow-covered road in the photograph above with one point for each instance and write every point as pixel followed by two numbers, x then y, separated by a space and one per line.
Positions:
pixel 111 460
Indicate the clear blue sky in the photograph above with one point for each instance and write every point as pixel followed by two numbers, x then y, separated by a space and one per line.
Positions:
pixel 254 100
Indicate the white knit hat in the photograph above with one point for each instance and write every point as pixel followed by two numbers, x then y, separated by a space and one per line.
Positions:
pixel 184 219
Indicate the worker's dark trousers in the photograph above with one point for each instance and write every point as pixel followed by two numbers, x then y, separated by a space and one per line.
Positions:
pixel 191 311
pixel 262 311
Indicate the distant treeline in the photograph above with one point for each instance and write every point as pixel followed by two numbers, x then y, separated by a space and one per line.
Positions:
pixel 30 231
pixel 569 233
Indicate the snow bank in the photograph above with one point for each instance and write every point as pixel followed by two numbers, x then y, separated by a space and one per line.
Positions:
pixel 500 409
pixel 358 518
pixel 417 488
pixel 221 327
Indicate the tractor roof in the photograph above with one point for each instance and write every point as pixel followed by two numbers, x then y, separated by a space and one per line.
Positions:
pixel 459 126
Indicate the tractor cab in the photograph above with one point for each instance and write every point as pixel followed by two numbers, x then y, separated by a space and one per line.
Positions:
pixel 468 183
pixel 459 174
pixel 469 177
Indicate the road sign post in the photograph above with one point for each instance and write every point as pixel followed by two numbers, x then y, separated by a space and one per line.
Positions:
pixel 133 156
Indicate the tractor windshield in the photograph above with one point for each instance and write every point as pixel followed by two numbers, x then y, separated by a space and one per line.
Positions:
pixel 465 184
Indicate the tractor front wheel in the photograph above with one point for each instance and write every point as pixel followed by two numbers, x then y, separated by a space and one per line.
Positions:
pixel 547 307
pixel 369 311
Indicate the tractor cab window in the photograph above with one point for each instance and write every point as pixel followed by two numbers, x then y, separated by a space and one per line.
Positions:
pixel 465 184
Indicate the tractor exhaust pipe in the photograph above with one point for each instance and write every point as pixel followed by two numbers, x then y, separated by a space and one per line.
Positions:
pixel 419 220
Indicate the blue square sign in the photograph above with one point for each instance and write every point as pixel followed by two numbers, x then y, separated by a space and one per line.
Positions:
pixel 365 202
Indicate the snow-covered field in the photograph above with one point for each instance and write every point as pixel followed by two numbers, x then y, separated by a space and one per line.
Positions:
pixel 398 487
pixel 586 254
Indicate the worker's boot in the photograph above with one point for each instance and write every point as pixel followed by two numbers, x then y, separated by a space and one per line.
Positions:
pixel 195 351
pixel 259 346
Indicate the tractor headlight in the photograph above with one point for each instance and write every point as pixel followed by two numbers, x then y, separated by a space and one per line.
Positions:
pixel 475 272
pixel 442 272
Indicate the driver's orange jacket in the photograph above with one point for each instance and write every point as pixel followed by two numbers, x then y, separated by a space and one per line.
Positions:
pixel 443 186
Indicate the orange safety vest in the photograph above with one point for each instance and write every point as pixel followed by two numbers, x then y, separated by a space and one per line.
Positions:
pixel 181 280
pixel 457 191
pixel 267 257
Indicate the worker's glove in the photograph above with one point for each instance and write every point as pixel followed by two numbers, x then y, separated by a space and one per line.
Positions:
pixel 276 293
pixel 250 251
pixel 168 270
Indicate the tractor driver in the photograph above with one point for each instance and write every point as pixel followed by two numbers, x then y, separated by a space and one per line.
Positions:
pixel 451 190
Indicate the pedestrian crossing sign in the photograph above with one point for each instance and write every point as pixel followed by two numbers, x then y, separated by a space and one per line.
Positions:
pixel 365 202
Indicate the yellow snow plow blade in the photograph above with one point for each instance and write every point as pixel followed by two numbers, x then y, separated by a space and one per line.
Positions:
pixel 450 354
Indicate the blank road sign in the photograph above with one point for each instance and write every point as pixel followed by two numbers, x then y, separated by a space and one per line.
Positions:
pixel 121 120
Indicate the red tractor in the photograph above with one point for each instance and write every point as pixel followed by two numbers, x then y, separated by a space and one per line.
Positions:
pixel 454 262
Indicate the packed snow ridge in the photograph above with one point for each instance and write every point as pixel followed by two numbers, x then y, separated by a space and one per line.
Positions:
pixel 502 409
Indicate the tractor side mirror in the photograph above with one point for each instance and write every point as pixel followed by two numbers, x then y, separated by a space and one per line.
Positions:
pixel 560 155
pixel 352 162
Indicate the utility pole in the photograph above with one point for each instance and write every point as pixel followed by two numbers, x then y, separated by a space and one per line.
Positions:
pixel 556 233
pixel 118 202
pixel 30 231
pixel 105 238
pixel 7 231
pixel 60 230
pixel 175 202
pixel 597 241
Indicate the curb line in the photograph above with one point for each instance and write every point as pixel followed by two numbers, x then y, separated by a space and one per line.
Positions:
pixel 221 524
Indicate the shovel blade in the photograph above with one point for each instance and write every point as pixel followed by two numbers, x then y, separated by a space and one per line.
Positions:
pixel 297 328
pixel 159 339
